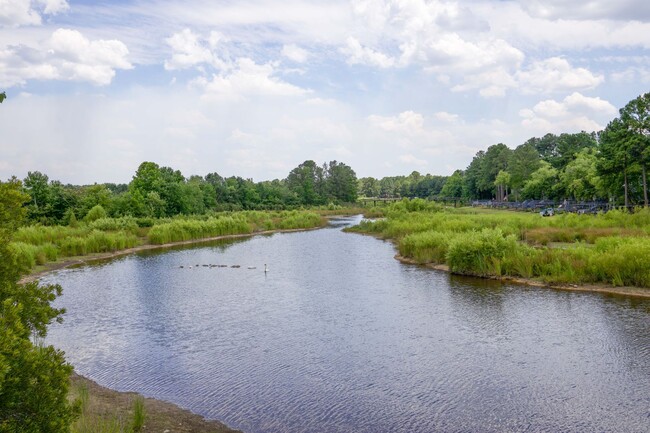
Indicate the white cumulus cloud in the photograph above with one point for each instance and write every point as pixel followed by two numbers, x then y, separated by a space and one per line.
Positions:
pixel 556 74
pixel 574 113
pixel 66 55
pixel 16 13
pixel 358 54
pixel 407 122
pixel 295 53
pixel 248 79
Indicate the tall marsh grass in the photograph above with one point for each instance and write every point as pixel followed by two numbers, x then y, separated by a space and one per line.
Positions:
pixel 244 222
pixel 37 245
pixel 612 248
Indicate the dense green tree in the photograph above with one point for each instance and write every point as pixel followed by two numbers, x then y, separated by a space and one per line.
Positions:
pixel 130 203
pixel 502 182
pixel 453 187
pixel 307 181
pixel 636 117
pixel 36 185
pixel 369 187
pixel 615 163
pixel 34 378
pixel 95 195
pixel 542 183
pixel 389 187
pixel 580 178
pixel 155 205
pixel 471 178
pixel 148 178
pixel 524 161
pixel 341 182
pixel 560 150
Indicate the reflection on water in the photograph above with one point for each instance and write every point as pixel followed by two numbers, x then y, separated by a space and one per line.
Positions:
pixel 340 337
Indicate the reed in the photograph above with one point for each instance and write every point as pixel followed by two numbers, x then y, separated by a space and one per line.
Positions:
pixel 184 230
pixel 612 248
pixel 139 414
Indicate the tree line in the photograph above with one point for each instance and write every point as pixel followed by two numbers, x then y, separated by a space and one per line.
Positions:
pixel 158 192
pixel 607 165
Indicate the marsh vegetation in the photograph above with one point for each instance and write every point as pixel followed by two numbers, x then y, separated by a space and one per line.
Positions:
pixel 611 248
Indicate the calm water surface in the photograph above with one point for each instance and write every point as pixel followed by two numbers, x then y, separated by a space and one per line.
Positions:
pixel 341 337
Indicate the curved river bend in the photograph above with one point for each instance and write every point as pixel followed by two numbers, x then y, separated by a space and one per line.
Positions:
pixel 341 337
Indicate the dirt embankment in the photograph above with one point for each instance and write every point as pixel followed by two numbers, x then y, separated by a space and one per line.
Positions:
pixel 161 416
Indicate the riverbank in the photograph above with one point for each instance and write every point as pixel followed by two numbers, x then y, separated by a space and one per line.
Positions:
pixel 607 253
pixel 638 292
pixel 106 406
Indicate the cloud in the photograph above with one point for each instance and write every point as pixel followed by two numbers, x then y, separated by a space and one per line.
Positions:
pixel 16 13
pixel 295 53
pixel 412 160
pixel 531 31
pixel 443 116
pixel 358 54
pixel 556 74
pixel 486 65
pixel 66 55
pixel 574 113
pixel 588 9
pixel 187 51
pixel 407 122
pixel 248 79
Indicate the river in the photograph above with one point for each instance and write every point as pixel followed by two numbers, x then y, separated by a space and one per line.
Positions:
pixel 339 336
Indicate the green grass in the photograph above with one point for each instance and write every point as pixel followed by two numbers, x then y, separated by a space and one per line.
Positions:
pixel 612 248
pixel 38 245
pixel 244 222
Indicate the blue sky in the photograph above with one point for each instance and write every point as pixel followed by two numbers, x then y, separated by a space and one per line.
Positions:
pixel 253 88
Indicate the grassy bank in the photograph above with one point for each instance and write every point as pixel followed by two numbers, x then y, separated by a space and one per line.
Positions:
pixel 612 248
pixel 103 410
pixel 43 245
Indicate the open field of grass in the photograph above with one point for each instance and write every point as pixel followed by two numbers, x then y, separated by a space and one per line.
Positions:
pixel 611 248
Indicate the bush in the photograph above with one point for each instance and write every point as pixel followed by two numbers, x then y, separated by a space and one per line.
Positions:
pixel 474 252
pixel 95 213
pixel 426 247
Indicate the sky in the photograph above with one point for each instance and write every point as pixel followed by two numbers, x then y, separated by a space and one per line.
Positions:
pixel 253 88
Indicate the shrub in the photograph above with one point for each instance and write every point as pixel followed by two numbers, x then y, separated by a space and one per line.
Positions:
pixel 95 213
pixel 425 247
pixel 472 252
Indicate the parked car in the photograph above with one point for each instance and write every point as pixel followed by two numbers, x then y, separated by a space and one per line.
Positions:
pixel 547 212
